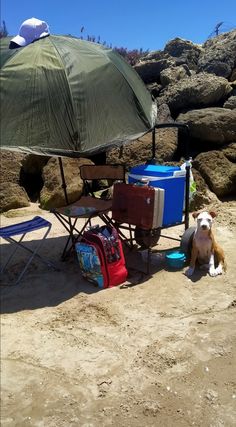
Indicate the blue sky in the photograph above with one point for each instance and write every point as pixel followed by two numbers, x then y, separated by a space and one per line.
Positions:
pixel 132 24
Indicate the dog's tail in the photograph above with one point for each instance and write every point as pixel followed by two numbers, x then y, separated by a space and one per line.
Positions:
pixel 221 257
pixel 219 253
pixel 224 264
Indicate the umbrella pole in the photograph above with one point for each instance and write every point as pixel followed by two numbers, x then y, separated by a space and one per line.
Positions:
pixel 72 237
pixel 187 185
pixel 154 146
pixel 63 181
pixel 152 161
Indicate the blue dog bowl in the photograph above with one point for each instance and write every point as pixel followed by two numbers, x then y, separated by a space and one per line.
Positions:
pixel 175 260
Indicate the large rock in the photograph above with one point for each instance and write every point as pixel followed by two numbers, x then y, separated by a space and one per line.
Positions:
pixel 219 55
pixel 203 196
pixel 13 196
pixel 200 90
pixel 230 151
pixel 233 76
pixel 52 194
pixel 11 164
pixel 217 125
pixel 150 69
pixel 230 103
pixel 186 51
pixel 139 151
pixel 164 114
pixel 218 172
pixel 154 89
pixel 153 55
pixel 173 74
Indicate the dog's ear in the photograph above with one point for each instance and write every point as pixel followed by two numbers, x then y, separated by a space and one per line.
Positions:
pixel 195 214
pixel 213 214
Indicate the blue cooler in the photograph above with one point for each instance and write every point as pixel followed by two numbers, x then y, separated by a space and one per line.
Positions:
pixel 172 180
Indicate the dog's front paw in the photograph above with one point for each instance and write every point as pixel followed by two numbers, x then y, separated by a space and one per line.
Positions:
pixel 213 272
pixel 219 269
pixel 189 272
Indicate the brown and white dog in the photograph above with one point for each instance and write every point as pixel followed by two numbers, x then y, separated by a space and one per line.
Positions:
pixel 205 250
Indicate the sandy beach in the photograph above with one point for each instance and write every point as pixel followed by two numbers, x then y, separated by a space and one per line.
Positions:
pixel 160 351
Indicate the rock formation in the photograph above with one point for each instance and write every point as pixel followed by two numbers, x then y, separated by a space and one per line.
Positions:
pixel 192 84
pixel 13 195
pixel 197 84
pixel 52 194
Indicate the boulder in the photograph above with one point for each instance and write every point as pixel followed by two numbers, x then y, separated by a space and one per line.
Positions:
pixel 230 103
pixel 219 55
pixel 233 76
pixel 203 199
pixel 13 196
pixel 173 74
pixel 164 114
pixel 154 55
pixel 186 51
pixel 230 151
pixel 154 89
pixel 140 150
pixel 11 164
pixel 214 125
pixel 52 194
pixel 203 196
pixel 149 70
pixel 198 91
pixel 218 172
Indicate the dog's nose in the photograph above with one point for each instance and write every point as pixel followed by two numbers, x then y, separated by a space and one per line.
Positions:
pixel 204 227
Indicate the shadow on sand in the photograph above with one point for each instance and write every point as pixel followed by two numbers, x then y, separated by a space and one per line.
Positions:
pixel 197 275
pixel 42 286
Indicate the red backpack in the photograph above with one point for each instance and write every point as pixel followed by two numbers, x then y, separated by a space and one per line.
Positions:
pixel 101 256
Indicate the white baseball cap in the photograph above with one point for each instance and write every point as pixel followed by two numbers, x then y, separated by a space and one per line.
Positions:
pixel 30 30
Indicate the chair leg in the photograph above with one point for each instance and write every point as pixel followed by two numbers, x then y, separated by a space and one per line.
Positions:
pixel 33 254
pixel 69 225
pixel 12 253
pixel 63 256
pixel 74 239
pixel 29 262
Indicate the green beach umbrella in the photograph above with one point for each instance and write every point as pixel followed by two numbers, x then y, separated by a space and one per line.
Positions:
pixel 68 97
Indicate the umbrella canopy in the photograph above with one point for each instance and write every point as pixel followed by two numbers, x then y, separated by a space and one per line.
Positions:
pixel 68 97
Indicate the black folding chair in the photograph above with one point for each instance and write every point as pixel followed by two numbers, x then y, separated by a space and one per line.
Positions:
pixel 88 206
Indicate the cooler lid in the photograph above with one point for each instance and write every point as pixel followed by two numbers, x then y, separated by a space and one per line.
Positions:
pixel 154 170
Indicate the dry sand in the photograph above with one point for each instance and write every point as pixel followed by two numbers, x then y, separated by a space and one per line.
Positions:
pixel 161 353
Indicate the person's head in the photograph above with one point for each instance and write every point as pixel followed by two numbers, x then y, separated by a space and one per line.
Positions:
pixel 30 30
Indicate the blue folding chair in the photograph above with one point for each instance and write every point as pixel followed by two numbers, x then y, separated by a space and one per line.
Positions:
pixel 21 229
